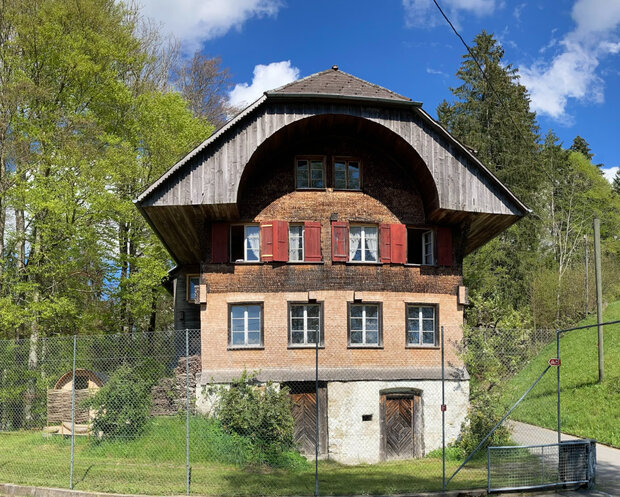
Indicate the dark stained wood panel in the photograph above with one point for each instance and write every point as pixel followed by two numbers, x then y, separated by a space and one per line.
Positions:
pixel 303 409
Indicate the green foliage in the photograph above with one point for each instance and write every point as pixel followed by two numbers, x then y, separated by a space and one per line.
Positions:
pixel 485 411
pixel 262 414
pixel 122 406
pixel 582 146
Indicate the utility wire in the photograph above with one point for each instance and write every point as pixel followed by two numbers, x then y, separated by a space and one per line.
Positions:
pixel 484 76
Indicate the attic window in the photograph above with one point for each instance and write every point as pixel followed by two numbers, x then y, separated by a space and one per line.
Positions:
pixel 193 281
pixel 310 173
pixel 81 382
pixel 347 174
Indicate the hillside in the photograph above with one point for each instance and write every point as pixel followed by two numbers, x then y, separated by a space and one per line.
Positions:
pixel 588 409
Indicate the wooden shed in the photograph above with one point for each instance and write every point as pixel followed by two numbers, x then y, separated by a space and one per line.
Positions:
pixel 59 401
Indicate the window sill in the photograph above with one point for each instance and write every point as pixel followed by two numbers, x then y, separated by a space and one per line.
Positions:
pixel 309 189
pixel 423 347
pixel 245 347
pixel 364 263
pixel 412 264
pixel 368 347
pixel 305 347
pixel 347 190
pixel 305 262
pixel 248 263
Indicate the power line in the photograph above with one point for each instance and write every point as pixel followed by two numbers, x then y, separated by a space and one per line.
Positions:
pixel 484 76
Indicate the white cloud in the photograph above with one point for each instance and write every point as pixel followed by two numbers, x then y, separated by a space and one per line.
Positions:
pixel 194 21
pixel 571 73
pixel 424 13
pixel 610 173
pixel 265 78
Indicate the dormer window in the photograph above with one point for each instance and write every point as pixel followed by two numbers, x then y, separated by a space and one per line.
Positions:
pixel 347 174
pixel 310 173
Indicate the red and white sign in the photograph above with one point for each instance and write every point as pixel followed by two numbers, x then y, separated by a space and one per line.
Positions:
pixel 443 407
pixel 554 361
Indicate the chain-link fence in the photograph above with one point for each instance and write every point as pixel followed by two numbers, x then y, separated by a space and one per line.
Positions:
pixel 169 412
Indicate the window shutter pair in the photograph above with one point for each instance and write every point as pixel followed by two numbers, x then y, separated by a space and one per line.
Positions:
pixel 273 239
pixel 392 242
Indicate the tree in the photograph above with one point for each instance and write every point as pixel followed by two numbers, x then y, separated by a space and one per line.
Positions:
pixel 616 182
pixel 203 83
pixel 491 114
pixel 581 145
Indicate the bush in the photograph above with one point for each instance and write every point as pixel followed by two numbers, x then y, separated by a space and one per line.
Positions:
pixel 122 405
pixel 260 413
pixel 484 413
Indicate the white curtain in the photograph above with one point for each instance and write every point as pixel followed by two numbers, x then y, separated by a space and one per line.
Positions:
pixel 253 243
pixel 371 244
pixel 355 238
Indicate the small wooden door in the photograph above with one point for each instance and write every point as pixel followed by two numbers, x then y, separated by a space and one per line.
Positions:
pixel 398 427
pixel 303 396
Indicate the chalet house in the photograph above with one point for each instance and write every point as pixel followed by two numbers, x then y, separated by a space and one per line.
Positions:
pixel 337 211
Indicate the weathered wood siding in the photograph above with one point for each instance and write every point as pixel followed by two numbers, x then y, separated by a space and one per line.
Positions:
pixel 213 176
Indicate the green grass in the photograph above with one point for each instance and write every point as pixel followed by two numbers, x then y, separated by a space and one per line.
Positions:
pixel 155 464
pixel 588 408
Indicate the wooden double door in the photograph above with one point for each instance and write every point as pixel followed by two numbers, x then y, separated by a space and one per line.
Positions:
pixel 304 411
pixel 401 436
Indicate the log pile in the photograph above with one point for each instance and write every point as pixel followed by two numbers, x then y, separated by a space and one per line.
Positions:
pixel 169 395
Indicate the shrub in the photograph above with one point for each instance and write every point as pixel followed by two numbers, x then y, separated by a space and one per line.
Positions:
pixel 484 413
pixel 122 405
pixel 260 413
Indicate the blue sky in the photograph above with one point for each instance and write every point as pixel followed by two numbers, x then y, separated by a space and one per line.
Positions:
pixel 567 51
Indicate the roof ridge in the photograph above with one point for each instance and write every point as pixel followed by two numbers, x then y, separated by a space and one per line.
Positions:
pixel 297 81
pixel 374 85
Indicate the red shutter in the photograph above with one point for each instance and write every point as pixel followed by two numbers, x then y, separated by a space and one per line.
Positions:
pixel 266 240
pixel 385 250
pixel 444 247
pixel 312 241
pixel 280 241
pixel 340 241
pixel 219 242
pixel 399 243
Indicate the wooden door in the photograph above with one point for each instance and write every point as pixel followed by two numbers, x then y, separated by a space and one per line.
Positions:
pixel 303 397
pixel 398 426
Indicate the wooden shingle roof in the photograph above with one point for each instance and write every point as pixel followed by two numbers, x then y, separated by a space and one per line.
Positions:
pixel 337 83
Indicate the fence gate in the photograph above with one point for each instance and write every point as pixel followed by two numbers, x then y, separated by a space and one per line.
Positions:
pixel 526 467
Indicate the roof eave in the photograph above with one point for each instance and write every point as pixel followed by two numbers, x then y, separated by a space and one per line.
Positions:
pixel 340 98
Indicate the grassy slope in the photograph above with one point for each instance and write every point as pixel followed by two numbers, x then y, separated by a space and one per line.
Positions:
pixel 588 409
pixel 155 464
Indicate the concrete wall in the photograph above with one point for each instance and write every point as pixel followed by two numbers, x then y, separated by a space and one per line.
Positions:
pixel 354 441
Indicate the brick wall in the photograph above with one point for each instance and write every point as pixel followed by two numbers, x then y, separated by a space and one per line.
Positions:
pixel 336 353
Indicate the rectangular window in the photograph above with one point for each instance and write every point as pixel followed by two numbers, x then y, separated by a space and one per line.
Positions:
pixel 310 173
pixel 421 326
pixel 420 246
pixel 246 325
pixel 364 325
pixel 363 244
pixel 296 242
pixel 193 280
pixel 305 324
pixel 347 174
pixel 245 243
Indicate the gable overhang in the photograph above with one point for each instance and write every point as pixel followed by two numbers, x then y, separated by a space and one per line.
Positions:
pixel 204 185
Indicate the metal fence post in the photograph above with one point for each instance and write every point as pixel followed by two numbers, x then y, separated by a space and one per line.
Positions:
pixel 557 345
pixel 73 413
pixel 443 418
pixel 187 467
pixel 316 431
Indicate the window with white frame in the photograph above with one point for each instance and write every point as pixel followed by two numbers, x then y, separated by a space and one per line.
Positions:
pixel 364 325
pixel 304 324
pixel 296 242
pixel 246 325
pixel 309 173
pixel 347 174
pixel 420 246
pixel 421 325
pixel 245 243
pixel 363 244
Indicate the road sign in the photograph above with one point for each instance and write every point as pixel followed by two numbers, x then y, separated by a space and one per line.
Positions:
pixel 554 361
